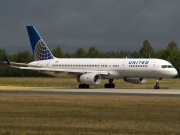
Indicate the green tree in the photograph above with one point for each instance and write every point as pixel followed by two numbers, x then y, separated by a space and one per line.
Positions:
pixel 94 53
pixel 3 66
pixel 134 54
pixel 161 54
pixel 57 52
pixel 111 54
pixel 24 57
pixel 80 53
pixel 146 49
pixel 68 55
pixel 172 54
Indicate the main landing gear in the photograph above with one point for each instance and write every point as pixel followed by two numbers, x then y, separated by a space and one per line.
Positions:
pixel 84 86
pixel 157 83
pixel 110 84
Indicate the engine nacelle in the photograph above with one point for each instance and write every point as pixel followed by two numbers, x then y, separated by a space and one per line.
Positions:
pixel 89 78
pixel 135 80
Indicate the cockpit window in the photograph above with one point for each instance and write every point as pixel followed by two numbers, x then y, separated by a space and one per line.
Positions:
pixel 166 66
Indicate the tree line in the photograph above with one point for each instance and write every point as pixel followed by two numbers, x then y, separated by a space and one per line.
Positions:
pixel 171 53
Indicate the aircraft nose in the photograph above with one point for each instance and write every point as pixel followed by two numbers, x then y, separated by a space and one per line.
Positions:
pixel 171 72
pixel 174 72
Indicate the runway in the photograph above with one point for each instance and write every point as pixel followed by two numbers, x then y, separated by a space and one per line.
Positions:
pixel 115 92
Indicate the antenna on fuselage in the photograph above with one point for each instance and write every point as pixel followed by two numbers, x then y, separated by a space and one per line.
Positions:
pixel 128 55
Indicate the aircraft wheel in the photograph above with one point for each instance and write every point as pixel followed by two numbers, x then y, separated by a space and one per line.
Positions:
pixel 83 86
pixel 112 85
pixel 106 85
pixel 80 86
pixel 109 85
pixel 86 86
pixel 156 87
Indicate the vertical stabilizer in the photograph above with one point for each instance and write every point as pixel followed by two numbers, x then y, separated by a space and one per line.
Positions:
pixel 39 48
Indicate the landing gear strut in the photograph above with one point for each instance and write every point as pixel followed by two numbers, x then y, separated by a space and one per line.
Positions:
pixel 157 83
pixel 110 84
pixel 85 86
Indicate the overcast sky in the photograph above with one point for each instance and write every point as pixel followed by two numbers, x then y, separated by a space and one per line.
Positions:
pixel 109 25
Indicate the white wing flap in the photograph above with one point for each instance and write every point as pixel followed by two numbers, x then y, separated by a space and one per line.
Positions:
pixel 65 70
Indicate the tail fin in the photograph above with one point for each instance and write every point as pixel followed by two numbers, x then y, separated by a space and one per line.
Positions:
pixel 39 48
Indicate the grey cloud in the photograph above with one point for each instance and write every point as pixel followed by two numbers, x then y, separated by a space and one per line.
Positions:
pixel 107 24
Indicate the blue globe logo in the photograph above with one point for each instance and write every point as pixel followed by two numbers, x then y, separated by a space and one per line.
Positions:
pixel 42 52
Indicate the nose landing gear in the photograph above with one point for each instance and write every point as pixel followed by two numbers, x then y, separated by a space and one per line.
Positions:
pixel 157 86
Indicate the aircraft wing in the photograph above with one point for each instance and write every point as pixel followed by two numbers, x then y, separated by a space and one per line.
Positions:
pixel 39 68
pixel 79 71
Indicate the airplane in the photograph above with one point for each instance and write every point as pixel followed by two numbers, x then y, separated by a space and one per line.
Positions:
pixel 90 71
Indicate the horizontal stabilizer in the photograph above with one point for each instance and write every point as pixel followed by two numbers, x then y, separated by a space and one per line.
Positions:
pixel 7 60
pixel 21 64
pixel 25 64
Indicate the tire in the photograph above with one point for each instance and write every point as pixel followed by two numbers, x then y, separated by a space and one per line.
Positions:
pixel 156 87
pixel 87 86
pixel 80 86
pixel 106 85
pixel 112 85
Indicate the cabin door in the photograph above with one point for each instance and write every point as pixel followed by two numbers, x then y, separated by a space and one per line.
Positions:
pixel 154 66
pixel 123 66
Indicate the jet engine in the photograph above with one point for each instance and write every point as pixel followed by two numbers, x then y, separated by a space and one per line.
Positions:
pixel 135 80
pixel 89 78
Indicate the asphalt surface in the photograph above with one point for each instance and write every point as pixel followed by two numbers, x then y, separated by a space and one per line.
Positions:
pixel 114 92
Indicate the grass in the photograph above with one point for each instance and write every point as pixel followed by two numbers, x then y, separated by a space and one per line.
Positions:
pixel 71 82
pixel 37 114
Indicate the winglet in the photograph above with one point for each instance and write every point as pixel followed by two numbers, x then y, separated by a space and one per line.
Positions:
pixel 7 60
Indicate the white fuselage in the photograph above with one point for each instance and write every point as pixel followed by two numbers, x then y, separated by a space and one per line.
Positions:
pixel 116 68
